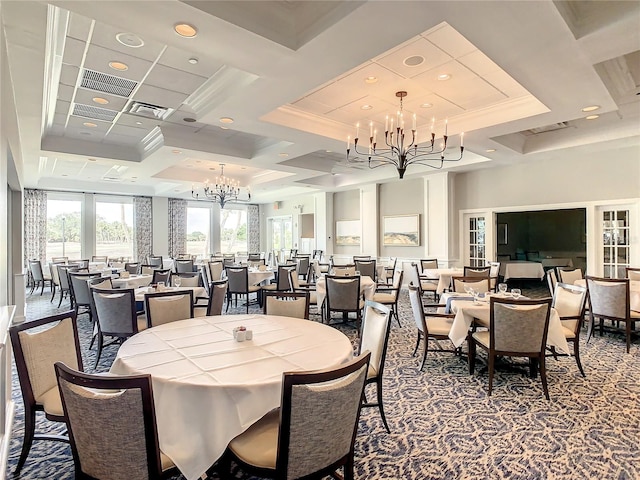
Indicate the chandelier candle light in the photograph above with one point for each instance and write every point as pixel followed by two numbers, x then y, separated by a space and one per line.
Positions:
pixel 224 190
pixel 401 151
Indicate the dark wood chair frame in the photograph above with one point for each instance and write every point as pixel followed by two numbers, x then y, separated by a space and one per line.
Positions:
pixel 345 312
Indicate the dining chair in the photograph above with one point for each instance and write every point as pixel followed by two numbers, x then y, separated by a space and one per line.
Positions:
pixel 389 271
pixel 344 270
pixel 367 268
pixel 65 286
pixel 494 275
pixel 166 307
pixel 632 273
pixel 313 433
pixel 93 405
pixel 428 264
pixel 609 299
pixel 469 271
pixel 426 284
pixel 317 255
pixel 479 284
pixel 434 327
pixel 155 261
pixel 302 265
pixel 286 304
pixel 569 301
pixel 183 256
pixel 552 280
pixel 239 285
pixel 38 277
pixel 217 294
pixel 569 275
pixel 55 279
pixel 161 276
pixel 376 326
pixel 80 292
pixel 517 328
pixel 282 279
pixel 117 317
pixel 183 265
pixel 146 269
pixel 215 269
pixel 60 259
pixel 389 295
pixel 99 258
pixel 132 267
pixel 309 288
pixel 343 296
pixel 190 279
pixel 35 350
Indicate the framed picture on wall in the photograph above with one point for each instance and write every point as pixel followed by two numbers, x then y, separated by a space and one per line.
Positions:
pixel 402 230
pixel 348 232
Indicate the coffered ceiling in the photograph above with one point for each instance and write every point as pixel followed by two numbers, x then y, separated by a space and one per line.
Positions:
pixel 109 98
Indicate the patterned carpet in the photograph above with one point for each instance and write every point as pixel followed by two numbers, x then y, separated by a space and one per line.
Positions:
pixel 443 424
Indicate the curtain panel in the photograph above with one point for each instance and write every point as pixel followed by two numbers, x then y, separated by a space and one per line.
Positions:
pixel 253 228
pixel 35 225
pixel 177 226
pixel 143 228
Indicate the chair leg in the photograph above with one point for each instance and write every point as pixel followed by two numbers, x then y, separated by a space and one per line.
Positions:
pixel 61 296
pixel 472 355
pixel 492 359
pixel 576 354
pixel 380 407
pixel 628 335
pixel 29 431
pixel 424 354
pixel 543 377
pixel 394 308
pixel 415 350
pixel 591 325
pixel 99 347
pixel 53 292
pixel 42 287
pixel 349 468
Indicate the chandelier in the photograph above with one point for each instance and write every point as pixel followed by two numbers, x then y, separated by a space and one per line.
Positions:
pixel 224 190
pixel 402 150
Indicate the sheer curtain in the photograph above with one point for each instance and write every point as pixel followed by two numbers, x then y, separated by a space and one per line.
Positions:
pixel 143 228
pixel 35 225
pixel 253 228
pixel 177 226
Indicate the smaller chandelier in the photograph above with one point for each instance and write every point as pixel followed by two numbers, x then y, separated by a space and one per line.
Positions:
pixel 224 190
pixel 400 150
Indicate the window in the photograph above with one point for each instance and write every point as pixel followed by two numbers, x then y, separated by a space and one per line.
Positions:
pixel 477 255
pixel 615 233
pixel 198 231
pixel 281 233
pixel 114 228
pixel 64 232
pixel 233 231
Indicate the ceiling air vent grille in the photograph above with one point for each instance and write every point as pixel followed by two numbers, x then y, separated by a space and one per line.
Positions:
pixel 150 111
pixel 547 128
pixel 95 113
pixel 111 84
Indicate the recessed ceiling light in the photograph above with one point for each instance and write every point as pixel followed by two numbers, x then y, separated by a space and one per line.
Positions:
pixel 413 60
pixel 176 151
pixel 283 155
pixel 100 100
pixel 328 151
pixel 490 150
pixel 223 127
pixel 591 108
pixel 193 61
pixel 91 159
pixel 226 120
pixel 592 117
pixel 129 40
pixel 371 79
pixel 121 67
pixel 366 107
pixel 444 76
pixel 426 105
pixel 90 124
pixel 189 119
pixel 185 30
pixel 65 175
pixel 138 123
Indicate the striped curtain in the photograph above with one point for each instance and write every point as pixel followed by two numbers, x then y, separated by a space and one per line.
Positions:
pixel 177 226
pixel 143 228
pixel 35 225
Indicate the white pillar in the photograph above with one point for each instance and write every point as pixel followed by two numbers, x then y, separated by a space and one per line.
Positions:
pixel 369 219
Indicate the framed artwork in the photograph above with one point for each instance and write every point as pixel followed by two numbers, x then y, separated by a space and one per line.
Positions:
pixel 348 232
pixel 402 230
pixel 503 236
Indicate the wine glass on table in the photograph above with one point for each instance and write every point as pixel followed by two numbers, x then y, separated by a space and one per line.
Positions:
pixel 177 280
pixel 502 288
pixel 516 292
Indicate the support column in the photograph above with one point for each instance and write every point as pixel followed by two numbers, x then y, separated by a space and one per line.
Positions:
pixel 437 227
pixel 369 219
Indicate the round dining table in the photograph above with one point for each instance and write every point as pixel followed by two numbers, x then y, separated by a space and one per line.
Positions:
pixel 208 388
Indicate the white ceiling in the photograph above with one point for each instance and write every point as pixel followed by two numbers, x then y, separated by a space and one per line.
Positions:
pixel 292 76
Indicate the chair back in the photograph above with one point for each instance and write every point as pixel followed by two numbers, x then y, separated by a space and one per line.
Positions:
pixel 417 309
pixel 59 259
pixel 184 256
pixel 92 403
pixel 161 276
pixel 310 440
pixel 116 311
pixel 215 270
pixel 343 293
pixel 569 275
pixel 183 265
pixel 633 273
pixel 283 277
pixel 608 297
pixel 147 269
pixel 366 268
pixel 376 325
pixel 238 279
pixel 479 284
pixel 217 293
pixel 344 270
pixel 55 276
pixel 287 304
pixel 569 301
pixel 36 270
pixel 494 273
pixel 519 326
pixel 100 283
pixel 36 349
pixel 317 255
pixel 477 271
pixel 81 263
pixel 552 280
pixel 155 261
pixel 63 275
pixel 165 307
pixel 132 267
pixel 429 264
pixel 80 287
pixel 397 283
pixel 302 264
pixel 191 279
pixel 99 258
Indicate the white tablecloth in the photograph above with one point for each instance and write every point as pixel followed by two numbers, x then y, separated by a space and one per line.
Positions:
pixel 133 281
pixel 198 292
pixel 367 288
pixel 521 269
pixel 443 275
pixel 466 311
pixel 256 277
pixel 209 388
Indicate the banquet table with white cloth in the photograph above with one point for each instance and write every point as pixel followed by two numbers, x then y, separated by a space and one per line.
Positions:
pixel 521 269
pixel 367 288
pixel 466 312
pixel 443 275
pixel 208 388
pixel 256 277
pixel 132 281
pixel 198 292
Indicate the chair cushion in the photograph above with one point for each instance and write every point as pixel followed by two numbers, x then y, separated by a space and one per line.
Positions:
pixel 428 286
pixel 439 325
pixel 568 333
pixel 382 297
pixel 482 337
pixel 635 314
pixel 372 372
pixel 258 445
pixel 270 287
pixel 51 402
pixel 142 323
pixel 165 462
pixel 254 288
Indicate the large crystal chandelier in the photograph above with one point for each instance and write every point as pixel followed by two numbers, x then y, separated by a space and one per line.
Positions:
pixel 224 190
pixel 402 147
